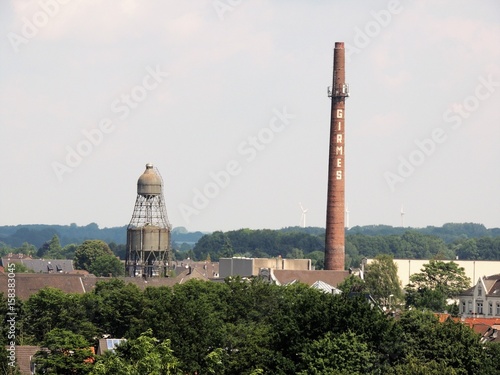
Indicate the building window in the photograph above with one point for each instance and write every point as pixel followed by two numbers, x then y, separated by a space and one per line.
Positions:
pixel 479 308
pixel 463 307
pixel 470 307
pixel 498 309
pixel 490 308
pixel 479 291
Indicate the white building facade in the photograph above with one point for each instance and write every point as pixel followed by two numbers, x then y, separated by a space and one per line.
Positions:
pixel 483 299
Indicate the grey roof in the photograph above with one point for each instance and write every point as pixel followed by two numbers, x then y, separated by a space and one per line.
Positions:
pixel 49 265
pixel 42 265
pixel 491 283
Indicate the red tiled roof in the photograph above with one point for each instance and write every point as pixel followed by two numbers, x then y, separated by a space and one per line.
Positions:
pixel 472 321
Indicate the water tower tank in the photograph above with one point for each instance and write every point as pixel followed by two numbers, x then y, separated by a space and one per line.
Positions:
pixel 149 183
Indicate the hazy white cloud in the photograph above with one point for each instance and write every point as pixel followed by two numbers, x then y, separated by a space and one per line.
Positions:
pixel 226 76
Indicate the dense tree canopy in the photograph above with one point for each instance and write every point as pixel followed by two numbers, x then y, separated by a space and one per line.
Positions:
pixel 143 355
pixel 251 327
pixel 51 249
pixel 437 282
pixel 381 278
pixel 244 327
pixel 64 352
pixel 259 243
pixel 87 253
pixel 107 265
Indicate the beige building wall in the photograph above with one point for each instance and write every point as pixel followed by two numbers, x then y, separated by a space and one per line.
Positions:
pixel 251 266
pixel 474 269
pixel 297 264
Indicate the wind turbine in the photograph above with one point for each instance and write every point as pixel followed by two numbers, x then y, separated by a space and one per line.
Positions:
pixel 402 217
pixel 303 216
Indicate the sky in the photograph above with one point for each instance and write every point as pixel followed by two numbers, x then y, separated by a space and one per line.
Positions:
pixel 228 99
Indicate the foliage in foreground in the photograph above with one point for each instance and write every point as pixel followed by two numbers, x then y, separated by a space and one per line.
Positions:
pixel 241 327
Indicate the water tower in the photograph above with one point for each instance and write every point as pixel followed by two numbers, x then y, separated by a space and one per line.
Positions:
pixel 148 234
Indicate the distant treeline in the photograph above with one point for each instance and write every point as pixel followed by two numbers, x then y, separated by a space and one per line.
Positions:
pixel 462 240
pixel 38 234
pixel 448 232
pixel 465 241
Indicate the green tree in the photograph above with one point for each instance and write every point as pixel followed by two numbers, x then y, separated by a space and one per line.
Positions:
pixel 69 251
pixel 247 345
pixel 51 249
pixel 353 284
pixel 381 278
pixel 114 307
pixel 216 244
pixel 301 314
pixel 423 246
pixel 317 259
pixel 444 345
pixel 5 249
pixel 467 249
pixel 295 254
pixel 425 298
pixel 106 264
pixel 437 282
pixel 144 355
pixel 198 310
pixel 26 249
pixel 50 308
pixel 6 366
pixel 64 353
pixel 346 353
pixel 416 366
pixel 118 249
pixel 213 362
pixel 21 268
pixel 88 252
pixel 155 311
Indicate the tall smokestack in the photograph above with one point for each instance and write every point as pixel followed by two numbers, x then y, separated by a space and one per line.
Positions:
pixel 335 237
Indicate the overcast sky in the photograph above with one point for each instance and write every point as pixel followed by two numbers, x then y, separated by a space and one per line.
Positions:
pixel 228 99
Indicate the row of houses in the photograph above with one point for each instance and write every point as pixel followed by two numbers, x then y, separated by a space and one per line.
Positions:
pixel 276 270
pixel 479 305
pixel 481 300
